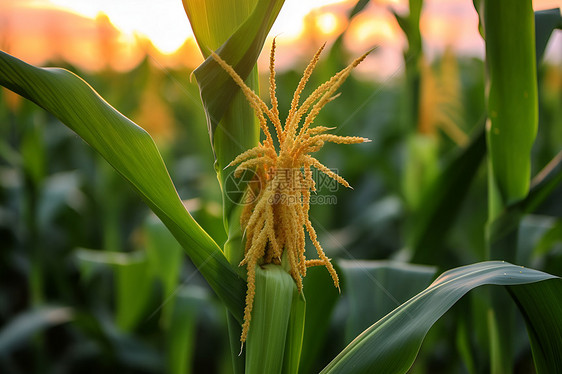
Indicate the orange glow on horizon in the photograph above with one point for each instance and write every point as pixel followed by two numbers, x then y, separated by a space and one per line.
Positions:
pixel 328 23
pixel 144 18
pixel 118 34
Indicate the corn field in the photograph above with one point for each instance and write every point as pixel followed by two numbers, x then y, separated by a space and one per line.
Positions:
pixel 299 221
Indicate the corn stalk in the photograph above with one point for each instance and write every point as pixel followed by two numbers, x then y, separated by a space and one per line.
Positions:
pixel 388 346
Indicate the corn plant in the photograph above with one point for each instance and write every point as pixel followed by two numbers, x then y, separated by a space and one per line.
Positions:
pixel 276 313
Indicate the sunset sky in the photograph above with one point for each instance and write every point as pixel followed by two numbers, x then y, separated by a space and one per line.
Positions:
pixel 79 30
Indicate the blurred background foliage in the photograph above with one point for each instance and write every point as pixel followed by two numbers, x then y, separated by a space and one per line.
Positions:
pixel 91 281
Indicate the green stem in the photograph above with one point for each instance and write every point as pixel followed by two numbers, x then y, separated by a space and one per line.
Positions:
pixel 234 332
pixel 511 130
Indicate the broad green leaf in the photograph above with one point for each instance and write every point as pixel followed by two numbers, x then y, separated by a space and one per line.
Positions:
pixel 512 105
pixel 132 282
pixel 234 332
pixel 391 345
pixel 541 307
pixel 90 263
pixel 421 168
pixel 164 253
pixel 531 229
pixel 512 99
pixel 295 331
pixel 164 258
pixel 25 325
pixel 265 347
pixel 132 152
pixel 108 191
pixel 543 184
pixel 214 21
pixel 545 22
pixel 125 348
pixel 321 298
pixel 58 191
pixel 551 238
pixel 410 25
pixel 478 5
pixel 359 6
pixel 442 201
pixel 506 224
pixel 181 335
pixel 463 343
pixel 415 10
pixel 241 51
pixel 231 122
pixel 375 288
pixel 33 153
pixel 502 236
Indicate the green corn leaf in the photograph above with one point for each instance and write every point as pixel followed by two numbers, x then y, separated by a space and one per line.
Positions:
pixel 238 37
pixel 321 298
pixel 359 6
pixel 478 5
pixel 270 320
pixel 214 21
pixel 543 322
pixel 545 22
pixel 442 201
pixel 241 51
pixel 512 99
pixel 164 257
pixel 295 331
pixel 234 332
pixel 543 184
pixel 506 224
pixel 391 345
pixel 132 152
pixel 25 325
pixel 415 10
pixel 132 281
pixel 421 168
pixel 133 290
pixel 512 105
pixel 502 237
pixel 410 25
pixel 33 153
pixel 551 238
pixel 181 336
pixel 375 288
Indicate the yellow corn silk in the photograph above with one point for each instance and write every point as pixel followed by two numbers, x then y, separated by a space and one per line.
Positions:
pixel 275 215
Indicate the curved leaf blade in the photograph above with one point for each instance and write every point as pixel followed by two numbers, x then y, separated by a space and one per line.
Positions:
pixel 545 22
pixel 274 293
pixel 375 288
pixel 545 336
pixel 442 201
pixel 542 186
pixel 320 303
pixel 22 328
pixel 391 344
pixel 241 51
pixel 133 153
pixel 214 21
pixel 239 36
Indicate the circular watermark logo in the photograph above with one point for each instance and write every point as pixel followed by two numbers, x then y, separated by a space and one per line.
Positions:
pixel 244 189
